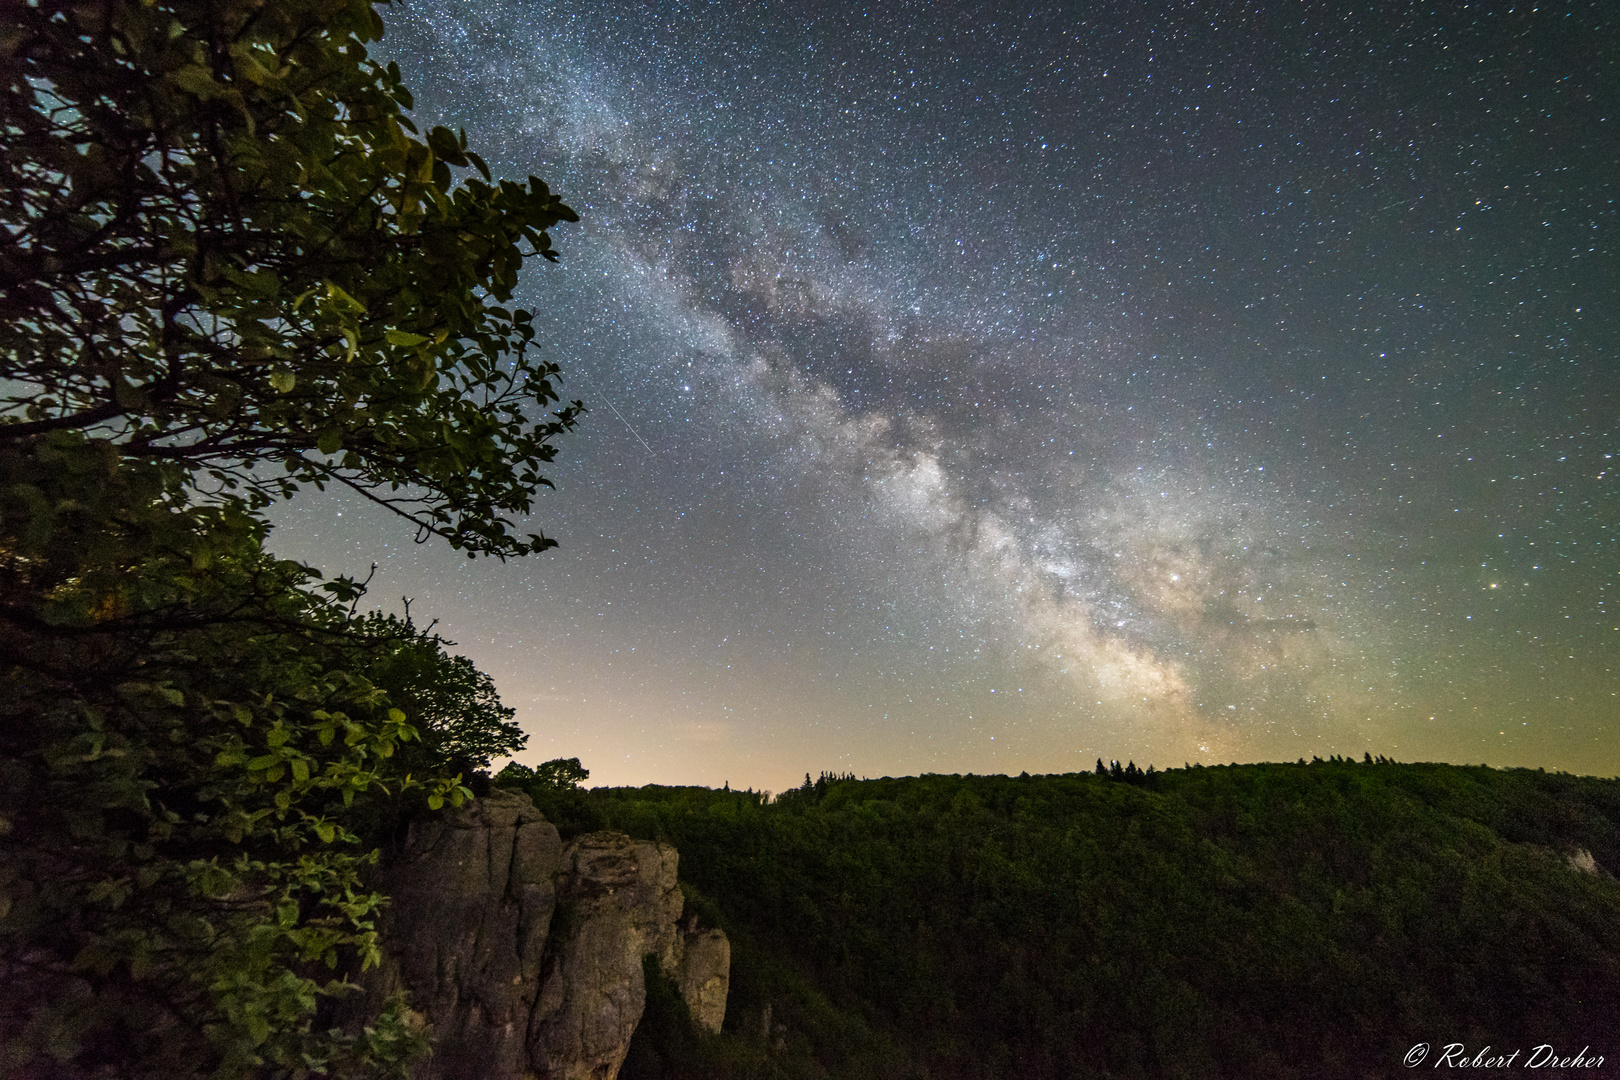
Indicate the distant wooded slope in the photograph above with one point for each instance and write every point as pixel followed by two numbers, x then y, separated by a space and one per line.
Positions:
pixel 1308 920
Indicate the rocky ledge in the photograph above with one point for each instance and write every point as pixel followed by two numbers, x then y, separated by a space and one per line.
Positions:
pixel 524 955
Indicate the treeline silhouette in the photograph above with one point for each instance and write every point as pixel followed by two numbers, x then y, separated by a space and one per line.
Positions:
pixel 1281 920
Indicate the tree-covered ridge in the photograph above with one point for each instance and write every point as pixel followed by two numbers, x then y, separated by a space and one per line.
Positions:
pixel 1279 920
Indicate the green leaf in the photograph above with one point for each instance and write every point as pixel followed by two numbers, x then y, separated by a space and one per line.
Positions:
pixel 196 79
pixel 400 337
pixel 282 381
pixel 250 68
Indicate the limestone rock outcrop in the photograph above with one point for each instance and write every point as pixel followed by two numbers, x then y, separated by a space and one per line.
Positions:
pixel 702 971
pixel 472 896
pixel 524 955
pixel 618 900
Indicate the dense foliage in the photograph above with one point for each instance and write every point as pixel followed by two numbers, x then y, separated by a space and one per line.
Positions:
pixel 228 269
pixel 186 729
pixel 223 246
pixel 1309 920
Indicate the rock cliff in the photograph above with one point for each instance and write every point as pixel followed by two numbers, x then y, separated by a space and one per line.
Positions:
pixel 703 973
pixel 524 954
pixel 618 900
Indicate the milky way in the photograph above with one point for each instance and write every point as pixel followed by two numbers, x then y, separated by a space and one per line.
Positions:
pixel 998 389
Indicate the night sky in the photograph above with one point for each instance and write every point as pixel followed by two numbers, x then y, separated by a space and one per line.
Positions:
pixel 986 389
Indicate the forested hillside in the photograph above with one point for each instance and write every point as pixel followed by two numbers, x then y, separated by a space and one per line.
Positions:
pixel 1277 920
